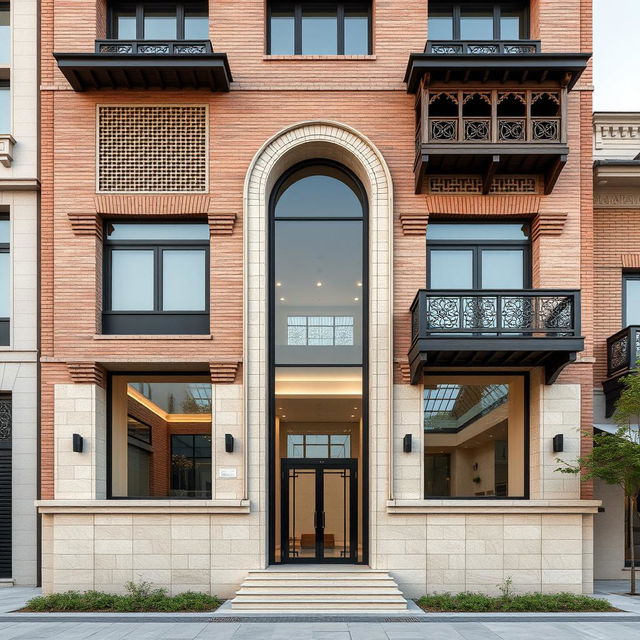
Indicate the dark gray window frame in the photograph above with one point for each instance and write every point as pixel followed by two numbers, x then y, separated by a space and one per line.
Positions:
pixel 496 7
pixel 139 7
pixel 627 276
pixel 297 5
pixel 156 321
pixel 5 323
pixel 478 246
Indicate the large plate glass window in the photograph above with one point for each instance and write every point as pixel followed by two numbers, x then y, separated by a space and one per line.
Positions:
pixel 156 278
pixel 163 21
pixel 475 436
pixel 319 28
pixel 160 437
pixel 476 21
pixel 5 33
pixel 631 299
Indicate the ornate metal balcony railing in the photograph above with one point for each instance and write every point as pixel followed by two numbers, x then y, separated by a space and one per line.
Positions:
pixel 519 313
pixel 482 47
pixel 475 129
pixel 623 350
pixel 154 47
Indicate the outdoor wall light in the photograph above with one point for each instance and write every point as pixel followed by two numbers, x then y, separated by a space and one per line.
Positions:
pixel 78 443
pixel 406 443
pixel 228 443
pixel 558 443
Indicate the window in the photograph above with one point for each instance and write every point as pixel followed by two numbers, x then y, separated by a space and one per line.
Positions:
pixel 156 278
pixel 160 437
pixel 478 256
pixel 5 34
pixel 159 21
pixel 5 107
pixel 478 21
pixel 631 299
pixel 334 445
pixel 319 28
pixel 474 436
pixel 318 266
pixel 5 279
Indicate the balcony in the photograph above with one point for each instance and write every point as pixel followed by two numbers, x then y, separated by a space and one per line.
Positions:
pixel 491 108
pixel 623 353
pixel 519 328
pixel 147 64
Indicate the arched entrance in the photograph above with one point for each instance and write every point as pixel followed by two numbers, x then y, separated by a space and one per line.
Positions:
pixel 353 204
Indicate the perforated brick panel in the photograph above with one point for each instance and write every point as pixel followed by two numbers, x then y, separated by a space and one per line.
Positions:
pixel 470 184
pixel 152 149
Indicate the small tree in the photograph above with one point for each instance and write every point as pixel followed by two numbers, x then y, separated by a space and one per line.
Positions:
pixel 615 457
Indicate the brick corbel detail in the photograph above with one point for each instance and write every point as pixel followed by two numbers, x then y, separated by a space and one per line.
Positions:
pixel 85 224
pixel 489 205
pixel 548 224
pixel 631 261
pixel 221 224
pixel 224 372
pixel 404 370
pixel 414 224
pixel 152 205
pixel 87 373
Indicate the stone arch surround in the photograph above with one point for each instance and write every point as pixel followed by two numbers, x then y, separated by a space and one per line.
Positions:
pixel 341 143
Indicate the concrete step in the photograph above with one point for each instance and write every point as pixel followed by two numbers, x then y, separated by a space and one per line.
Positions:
pixel 308 589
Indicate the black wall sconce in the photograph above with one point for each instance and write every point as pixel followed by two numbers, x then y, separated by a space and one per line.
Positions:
pixel 558 443
pixel 406 443
pixel 228 443
pixel 78 443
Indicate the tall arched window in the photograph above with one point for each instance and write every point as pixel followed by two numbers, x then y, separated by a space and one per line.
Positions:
pixel 318 356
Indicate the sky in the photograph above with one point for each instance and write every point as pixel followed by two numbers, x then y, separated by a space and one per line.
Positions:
pixel 616 64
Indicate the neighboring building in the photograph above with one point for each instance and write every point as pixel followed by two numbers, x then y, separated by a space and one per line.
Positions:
pixel 616 197
pixel 311 295
pixel 19 201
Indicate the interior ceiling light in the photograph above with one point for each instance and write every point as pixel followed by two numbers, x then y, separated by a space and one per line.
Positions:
pixel 318 284
pixel 359 284
pixel 356 299
pixel 281 299
pixel 278 284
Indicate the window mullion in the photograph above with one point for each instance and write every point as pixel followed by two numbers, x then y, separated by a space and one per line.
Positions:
pixel 158 279
pixel 180 13
pixel 456 22
pixel 297 31
pixel 340 25
pixel 140 21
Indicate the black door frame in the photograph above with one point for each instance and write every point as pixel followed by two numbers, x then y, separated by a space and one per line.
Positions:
pixel 272 365
pixel 318 465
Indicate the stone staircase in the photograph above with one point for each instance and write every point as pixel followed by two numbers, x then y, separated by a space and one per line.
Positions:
pixel 312 589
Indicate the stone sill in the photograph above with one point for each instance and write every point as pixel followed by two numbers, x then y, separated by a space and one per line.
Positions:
pixel 152 337
pixel 493 506
pixel 81 507
pixel 306 58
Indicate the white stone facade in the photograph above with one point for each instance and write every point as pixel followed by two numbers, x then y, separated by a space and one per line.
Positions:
pixel 18 361
pixel 542 543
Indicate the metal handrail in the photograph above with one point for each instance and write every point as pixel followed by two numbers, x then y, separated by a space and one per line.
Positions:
pixel 154 47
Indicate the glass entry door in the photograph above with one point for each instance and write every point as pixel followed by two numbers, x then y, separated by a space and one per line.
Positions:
pixel 319 510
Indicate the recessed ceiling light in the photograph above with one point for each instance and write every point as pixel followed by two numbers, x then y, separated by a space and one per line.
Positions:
pixel 318 284
pixel 284 416
pixel 355 408
pixel 278 284
pixel 352 415
pixel 356 299
pixel 281 299
pixel 359 284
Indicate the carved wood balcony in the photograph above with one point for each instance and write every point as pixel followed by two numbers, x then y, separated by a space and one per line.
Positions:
pixel 623 353
pixel 491 108
pixel 525 328
pixel 147 64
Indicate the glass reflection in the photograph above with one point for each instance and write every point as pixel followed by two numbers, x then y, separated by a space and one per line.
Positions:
pixel 502 269
pixel 632 301
pixel 5 285
pixel 196 24
pixel 476 24
pixel 160 24
pixel 5 33
pixel 183 280
pixel 451 269
pixel 5 109
pixel 356 32
pixel 319 31
pixel 132 280
pixel 282 33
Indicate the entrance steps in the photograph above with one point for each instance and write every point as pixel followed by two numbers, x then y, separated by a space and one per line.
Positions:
pixel 312 589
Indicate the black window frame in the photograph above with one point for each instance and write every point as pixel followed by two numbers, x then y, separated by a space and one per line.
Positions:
pixel 192 494
pixel 496 7
pixel 139 7
pixel 156 321
pixel 297 6
pixel 5 322
pixel 478 246
pixel 627 276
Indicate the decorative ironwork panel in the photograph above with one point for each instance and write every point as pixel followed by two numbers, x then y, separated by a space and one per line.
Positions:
pixel 483 49
pixel 478 130
pixel 471 184
pixel 152 148
pixel 116 48
pixel 447 48
pixel 443 312
pixel 545 129
pixel 479 313
pixel 189 49
pixel 443 130
pixel 516 312
pixel 5 419
pixel 512 129
pixel 619 353
pixel 519 49
pixel 154 49
pixel 554 312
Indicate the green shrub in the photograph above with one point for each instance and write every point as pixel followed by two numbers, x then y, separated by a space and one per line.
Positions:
pixel 139 597
pixel 509 602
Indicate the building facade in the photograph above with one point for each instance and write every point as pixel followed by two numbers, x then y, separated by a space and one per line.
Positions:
pixel 315 292
pixel 19 201
pixel 617 265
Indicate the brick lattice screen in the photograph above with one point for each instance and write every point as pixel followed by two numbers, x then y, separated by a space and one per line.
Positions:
pixel 152 149
pixel 470 184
